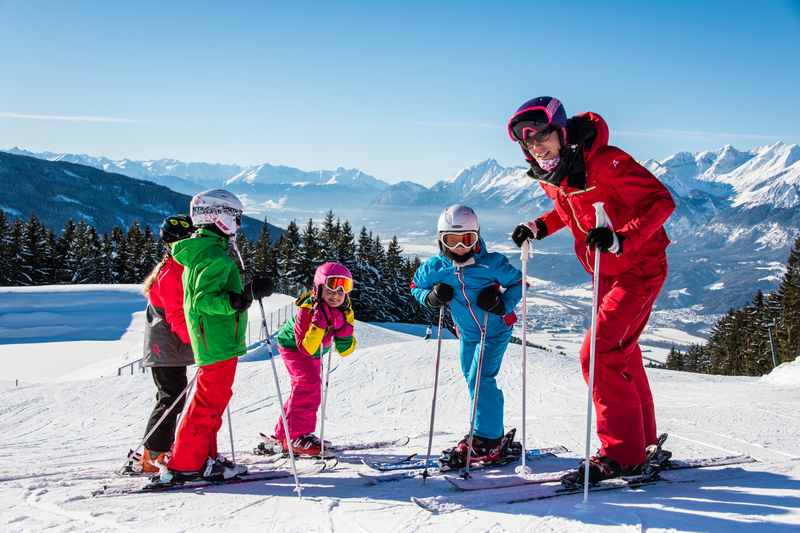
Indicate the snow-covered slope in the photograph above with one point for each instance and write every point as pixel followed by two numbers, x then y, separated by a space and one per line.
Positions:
pixel 61 440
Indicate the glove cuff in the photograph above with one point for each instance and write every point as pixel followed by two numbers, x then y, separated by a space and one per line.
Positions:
pixel 616 244
pixel 510 318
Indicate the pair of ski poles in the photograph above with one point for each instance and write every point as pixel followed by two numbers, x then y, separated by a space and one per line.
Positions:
pixel 165 414
pixel 522 469
pixel 601 220
pixel 266 334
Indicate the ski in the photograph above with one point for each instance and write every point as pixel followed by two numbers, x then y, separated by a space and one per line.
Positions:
pixel 395 471
pixel 412 462
pixel 355 446
pixel 494 481
pixel 260 475
pixel 267 446
pixel 689 472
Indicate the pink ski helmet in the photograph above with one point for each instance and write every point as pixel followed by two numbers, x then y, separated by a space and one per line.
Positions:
pixel 333 271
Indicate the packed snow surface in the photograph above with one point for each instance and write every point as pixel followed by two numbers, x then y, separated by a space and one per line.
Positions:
pixel 61 439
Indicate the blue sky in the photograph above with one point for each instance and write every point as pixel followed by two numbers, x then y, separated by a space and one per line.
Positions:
pixel 401 90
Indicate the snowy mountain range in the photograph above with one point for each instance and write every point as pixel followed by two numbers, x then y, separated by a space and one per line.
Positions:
pixel 56 191
pixel 736 218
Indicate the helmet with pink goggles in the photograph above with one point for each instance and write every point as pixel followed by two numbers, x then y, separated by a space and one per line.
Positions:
pixel 334 276
pixel 535 116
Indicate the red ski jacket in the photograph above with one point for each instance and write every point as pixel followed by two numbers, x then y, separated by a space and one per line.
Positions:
pixel 167 293
pixel 636 203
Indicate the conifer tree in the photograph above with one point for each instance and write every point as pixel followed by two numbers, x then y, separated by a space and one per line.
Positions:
pixel 288 255
pixel 5 250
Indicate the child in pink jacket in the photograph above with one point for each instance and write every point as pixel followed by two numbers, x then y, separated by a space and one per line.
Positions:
pixel 324 318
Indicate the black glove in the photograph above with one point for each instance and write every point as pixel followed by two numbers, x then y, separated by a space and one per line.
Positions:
pixel 523 232
pixel 240 302
pixel 440 295
pixel 489 300
pixel 603 238
pixel 260 287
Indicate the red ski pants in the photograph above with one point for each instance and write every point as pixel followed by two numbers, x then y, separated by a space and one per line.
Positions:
pixel 626 420
pixel 196 439
pixel 304 399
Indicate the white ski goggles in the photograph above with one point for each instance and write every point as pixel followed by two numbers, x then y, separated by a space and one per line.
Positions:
pixel 452 240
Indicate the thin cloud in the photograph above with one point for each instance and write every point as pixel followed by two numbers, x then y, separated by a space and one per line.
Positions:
pixel 68 118
pixel 695 134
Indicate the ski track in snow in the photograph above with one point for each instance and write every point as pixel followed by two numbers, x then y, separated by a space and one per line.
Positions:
pixel 61 440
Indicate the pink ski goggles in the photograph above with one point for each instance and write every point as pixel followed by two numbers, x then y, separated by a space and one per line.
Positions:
pixel 531 120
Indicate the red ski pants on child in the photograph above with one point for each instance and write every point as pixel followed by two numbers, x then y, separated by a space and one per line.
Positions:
pixel 196 439
pixel 303 401
pixel 626 420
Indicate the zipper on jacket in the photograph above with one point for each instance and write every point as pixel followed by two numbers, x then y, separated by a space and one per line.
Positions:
pixel 236 327
pixel 572 210
pixel 203 334
pixel 466 299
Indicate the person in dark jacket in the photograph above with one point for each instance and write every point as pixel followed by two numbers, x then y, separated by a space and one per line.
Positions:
pixel 167 349
pixel 576 167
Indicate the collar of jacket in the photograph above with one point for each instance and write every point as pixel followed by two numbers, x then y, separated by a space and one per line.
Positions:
pixel 571 169
pixel 205 233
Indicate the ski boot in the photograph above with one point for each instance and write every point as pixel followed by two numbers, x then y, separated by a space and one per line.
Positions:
pixel 305 446
pixel 600 468
pixel 484 451
pixel 150 461
pixel 221 469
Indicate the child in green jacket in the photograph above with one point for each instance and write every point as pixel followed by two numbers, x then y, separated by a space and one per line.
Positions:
pixel 215 305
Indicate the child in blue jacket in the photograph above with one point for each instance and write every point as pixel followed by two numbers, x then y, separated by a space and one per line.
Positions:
pixel 482 288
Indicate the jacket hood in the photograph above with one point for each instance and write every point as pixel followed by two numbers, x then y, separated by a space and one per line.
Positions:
pixel 588 130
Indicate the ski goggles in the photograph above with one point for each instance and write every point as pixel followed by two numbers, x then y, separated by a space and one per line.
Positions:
pixel 339 284
pixel 178 222
pixel 535 121
pixel 454 240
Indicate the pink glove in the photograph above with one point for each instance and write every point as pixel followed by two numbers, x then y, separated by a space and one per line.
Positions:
pixel 337 319
pixel 320 315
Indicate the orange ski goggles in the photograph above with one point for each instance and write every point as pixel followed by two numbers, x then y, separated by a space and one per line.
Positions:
pixel 339 284
pixel 463 239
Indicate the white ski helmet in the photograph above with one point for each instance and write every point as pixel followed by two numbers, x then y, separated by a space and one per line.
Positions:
pixel 457 218
pixel 218 207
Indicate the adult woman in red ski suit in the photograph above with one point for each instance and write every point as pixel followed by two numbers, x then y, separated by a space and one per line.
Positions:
pixel 576 167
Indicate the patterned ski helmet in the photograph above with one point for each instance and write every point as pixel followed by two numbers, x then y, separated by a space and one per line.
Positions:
pixel 176 227
pixel 217 207
pixel 536 115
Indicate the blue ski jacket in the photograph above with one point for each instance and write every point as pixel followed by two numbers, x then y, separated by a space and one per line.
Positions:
pixel 489 268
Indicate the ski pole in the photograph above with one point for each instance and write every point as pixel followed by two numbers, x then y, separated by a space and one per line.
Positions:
pixel 230 433
pixel 425 473
pixel 324 400
pixel 265 330
pixel 601 220
pixel 131 454
pixel 523 469
pixel 466 475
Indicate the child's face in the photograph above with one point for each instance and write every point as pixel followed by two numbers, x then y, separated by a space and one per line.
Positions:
pixel 333 298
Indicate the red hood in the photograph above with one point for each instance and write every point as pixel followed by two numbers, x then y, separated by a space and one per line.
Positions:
pixel 601 133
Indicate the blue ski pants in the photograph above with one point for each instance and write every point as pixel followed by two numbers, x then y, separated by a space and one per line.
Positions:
pixel 489 418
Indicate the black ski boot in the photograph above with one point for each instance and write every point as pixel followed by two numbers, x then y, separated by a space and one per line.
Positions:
pixel 600 468
pixel 484 451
